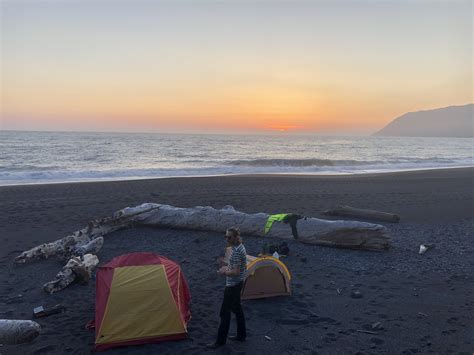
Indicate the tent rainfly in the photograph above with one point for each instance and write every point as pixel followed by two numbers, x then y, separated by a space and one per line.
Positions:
pixel 140 298
pixel 266 277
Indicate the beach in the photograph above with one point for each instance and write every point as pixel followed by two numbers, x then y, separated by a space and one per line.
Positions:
pixel 410 303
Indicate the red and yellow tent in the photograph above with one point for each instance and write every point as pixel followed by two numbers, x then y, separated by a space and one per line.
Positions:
pixel 140 298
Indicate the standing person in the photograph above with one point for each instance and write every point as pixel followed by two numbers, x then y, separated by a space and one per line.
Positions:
pixel 235 275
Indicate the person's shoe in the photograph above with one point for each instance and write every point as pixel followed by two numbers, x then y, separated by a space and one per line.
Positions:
pixel 214 345
pixel 236 338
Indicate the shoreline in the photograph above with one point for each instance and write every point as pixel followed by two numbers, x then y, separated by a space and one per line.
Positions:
pixel 289 174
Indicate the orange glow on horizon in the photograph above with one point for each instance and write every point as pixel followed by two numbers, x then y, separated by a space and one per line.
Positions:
pixel 284 128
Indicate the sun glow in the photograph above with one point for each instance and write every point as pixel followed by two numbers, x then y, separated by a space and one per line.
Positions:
pixel 284 128
pixel 283 71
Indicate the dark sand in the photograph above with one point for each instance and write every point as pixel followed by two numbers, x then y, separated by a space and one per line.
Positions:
pixel 424 303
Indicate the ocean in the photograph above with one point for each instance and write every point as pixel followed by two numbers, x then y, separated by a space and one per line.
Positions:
pixel 53 157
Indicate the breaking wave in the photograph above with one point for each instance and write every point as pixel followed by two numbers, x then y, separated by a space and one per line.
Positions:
pixel 299 162
pixel 47 157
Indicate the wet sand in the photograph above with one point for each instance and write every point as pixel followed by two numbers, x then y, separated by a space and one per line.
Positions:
pixel 423 303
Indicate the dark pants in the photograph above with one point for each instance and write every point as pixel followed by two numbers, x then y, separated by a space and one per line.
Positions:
pixel 231 303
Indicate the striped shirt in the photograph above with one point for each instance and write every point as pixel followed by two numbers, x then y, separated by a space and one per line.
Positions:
pixel 238 257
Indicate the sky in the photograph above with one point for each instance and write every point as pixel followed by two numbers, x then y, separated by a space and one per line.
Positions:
pixel 230 66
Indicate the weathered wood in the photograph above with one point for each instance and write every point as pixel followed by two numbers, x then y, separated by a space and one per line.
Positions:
pixel 84 241
pixel 340 234
pixel 18 331
pixel 348 211
pixel 92 247
pixel 73 245
pixel 76 270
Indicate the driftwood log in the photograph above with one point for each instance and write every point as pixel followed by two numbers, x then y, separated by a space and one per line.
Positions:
pixel 77 244
pixel 18 331
pixel 347 211
pixel 341 234
pixel 76 270
pixel 80 246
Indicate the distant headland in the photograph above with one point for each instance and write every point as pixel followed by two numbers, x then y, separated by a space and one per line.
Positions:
pixel 452 121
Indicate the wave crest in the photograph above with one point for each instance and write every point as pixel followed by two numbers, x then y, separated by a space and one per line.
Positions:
pixel 299 162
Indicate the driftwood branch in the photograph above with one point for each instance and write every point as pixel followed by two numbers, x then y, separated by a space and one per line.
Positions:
pixel 89 240
pixel 18 331
pixel 76 270
pixel 347 211
pixel 86 240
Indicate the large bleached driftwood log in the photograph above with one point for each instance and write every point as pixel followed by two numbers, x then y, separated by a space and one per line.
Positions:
pixel 76 270
pixel 341 234
pixel 348 211
pixel 18 331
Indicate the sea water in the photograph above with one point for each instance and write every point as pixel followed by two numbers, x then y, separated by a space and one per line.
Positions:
pixel 51 157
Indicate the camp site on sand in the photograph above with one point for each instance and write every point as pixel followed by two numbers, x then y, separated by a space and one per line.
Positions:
pixel 142 279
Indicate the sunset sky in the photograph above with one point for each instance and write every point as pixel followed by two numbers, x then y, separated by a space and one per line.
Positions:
pixel 230 66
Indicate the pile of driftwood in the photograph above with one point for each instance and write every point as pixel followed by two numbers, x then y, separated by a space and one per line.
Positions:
pixel 79 248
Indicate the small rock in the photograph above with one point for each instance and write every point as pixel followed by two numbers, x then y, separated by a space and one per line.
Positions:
pixel 268 338
pixel 356 294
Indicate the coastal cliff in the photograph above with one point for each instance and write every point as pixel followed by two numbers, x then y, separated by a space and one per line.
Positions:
pixel 453 121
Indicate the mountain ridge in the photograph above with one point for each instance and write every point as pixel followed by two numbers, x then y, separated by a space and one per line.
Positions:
pixel 451 121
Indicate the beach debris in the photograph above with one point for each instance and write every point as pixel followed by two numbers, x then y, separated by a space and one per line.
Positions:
pixel 340 234
pixel 339 291
pixel 77 244
pixel 356 294
pixel 268 338
pixel 76 270
pixel 40 311
pixel 366 331
pixel 422 314
pixel 376 325
pixel 18 331
pixel 92 247
pixel 348 211
pixel 270 248
pixel 276 255
pixel 425 247
pixel 89 240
